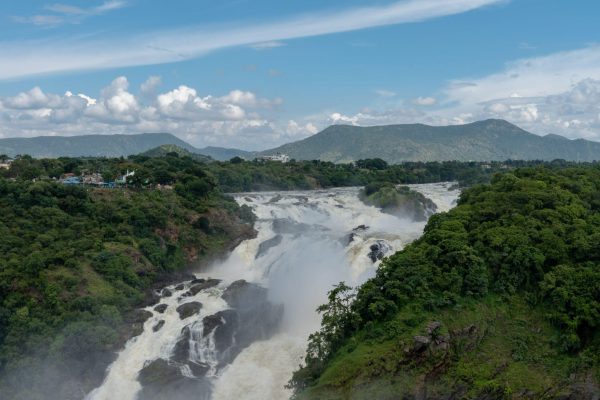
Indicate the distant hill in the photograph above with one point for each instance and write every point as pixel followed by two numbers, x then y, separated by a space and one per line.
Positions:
pixel 225 154
pixel 479 141
pixel 165 149
pixel 89 145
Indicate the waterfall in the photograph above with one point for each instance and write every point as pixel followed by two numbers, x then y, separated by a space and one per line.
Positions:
pixel 257 307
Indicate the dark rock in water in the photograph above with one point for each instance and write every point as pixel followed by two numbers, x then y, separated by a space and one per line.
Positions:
pixel 346 240
pixel 360 228
pixel 162 380
pixel 160 308
pixel 286 225
pixel 181 351
pixel 186 310
pixel 166 293
pixel 204 285
pixel 225 325
pixel 181 286
pixel 198 369
pixel 140 316
pixel 197 280
pixel 268 244
pixel 158 372
pixel 378 250
pixel 248 199
pixel 275 199
pixel 241 294
pixel 158 325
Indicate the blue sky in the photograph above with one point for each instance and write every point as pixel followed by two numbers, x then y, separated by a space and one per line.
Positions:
pixel 255 74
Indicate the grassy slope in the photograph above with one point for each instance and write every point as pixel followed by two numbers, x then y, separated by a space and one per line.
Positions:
pixel 511 353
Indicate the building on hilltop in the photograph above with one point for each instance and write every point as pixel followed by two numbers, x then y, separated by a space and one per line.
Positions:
pixel 276 157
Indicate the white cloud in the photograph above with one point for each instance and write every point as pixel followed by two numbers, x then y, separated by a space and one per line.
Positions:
pixel 425 101
pixel 272 44
pixel 65 13
pixel 238 118
pixel 149 87
pixel 385 93
pixel 50 55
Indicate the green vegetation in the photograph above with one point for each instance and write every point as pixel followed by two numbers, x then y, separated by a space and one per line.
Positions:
pixel 243 176
pixel 500 298
pixel 173 150
pixel 480 141
pixel 76 261
pixel 399 201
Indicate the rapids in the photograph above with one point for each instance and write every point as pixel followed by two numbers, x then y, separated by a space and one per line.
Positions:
pixel 307 241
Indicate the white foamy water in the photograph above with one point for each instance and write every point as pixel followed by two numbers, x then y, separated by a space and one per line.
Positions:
pixel 307 242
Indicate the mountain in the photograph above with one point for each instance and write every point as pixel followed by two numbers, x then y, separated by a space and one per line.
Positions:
pixel 479 141
pixel 89 145
pixel 226 154
pixel 165 149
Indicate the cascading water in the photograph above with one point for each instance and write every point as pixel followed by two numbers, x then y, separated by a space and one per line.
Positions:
pixel 241 336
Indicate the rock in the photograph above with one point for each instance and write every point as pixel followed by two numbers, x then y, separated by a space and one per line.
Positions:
pixel 433 327
pixel 181 351
pixel 378 250
pixel 242 294
pixel 225 325
pixel 160 308
pixel 162 380
pixel 268 244
pixel 158 372
pixel 186 310
pixel 248 199
pixel 140 316
pixel 420 344
pixel 158 325
pixel 275 199
pixel 181 286
pixel 204 285
pixel 198 369
pixel 197 280
pixel 166 293
pixel 360 228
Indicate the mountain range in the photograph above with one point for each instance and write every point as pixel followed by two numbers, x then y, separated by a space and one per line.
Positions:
pixel 479 141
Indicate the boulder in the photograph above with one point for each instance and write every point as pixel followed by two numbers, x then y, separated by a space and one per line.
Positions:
pixel 140 316
pixel 241 294
pixel 158 372
pixel 162 380
pixel 204 285
pixel 264 247
pixel 166 293
pixel 378 250
pixel 158 325
pixel 181 286
pixel 186 310
pixel 225 325
pixel 199 369
pixel 360 228
pixel 181 351
pixel 420 344
pixel 197 280
pixel 160 308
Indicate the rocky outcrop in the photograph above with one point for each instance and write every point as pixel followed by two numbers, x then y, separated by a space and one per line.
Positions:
pixel 264 247
pixel 186 310
pixel 161 379
pixel 194 290
pixel 378 250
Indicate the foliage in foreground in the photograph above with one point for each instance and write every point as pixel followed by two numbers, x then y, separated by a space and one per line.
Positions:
pixel 530 238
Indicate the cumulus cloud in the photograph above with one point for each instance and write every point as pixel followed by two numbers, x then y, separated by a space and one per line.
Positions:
pixel 238 118
pixel 425 101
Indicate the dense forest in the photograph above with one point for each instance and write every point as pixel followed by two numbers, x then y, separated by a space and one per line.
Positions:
pixel 500 298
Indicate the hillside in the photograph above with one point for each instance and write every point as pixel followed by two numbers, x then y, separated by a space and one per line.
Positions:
pixel 225 154
pixel 479 141
pixel 89 145
pixel 499 299
pixel 165 149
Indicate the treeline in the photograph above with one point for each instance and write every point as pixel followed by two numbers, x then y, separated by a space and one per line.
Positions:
pixel 239 175
pixel 531 236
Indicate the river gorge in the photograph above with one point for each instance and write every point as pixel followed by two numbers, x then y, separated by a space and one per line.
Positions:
pixel 240 328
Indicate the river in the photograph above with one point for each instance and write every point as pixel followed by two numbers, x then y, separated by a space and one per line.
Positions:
pixel 250 315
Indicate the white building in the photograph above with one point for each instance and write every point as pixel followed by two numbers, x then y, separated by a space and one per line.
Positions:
pixel 277 157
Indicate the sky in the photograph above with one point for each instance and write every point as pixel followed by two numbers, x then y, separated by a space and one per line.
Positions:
pixel 254 74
